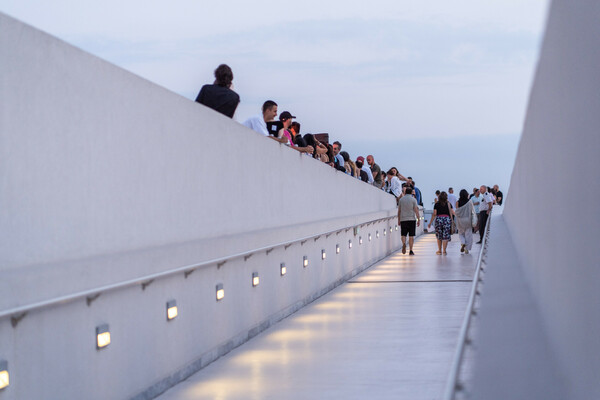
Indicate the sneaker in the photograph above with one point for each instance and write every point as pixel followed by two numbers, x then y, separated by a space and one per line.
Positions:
pixel 404 249
pixel 462 248
pixel 466 251
pixel 411 253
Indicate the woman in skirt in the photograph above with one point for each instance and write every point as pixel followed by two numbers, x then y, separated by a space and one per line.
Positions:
pixel 442 214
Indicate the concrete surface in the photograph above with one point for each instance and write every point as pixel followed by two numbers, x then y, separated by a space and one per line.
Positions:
pixel 389 333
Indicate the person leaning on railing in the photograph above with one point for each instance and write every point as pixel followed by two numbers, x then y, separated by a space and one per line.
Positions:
pixel 219 96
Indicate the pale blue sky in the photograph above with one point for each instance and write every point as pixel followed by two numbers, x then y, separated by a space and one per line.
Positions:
pixel 387 71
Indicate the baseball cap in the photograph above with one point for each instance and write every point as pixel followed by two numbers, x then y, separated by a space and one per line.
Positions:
pixel 286 115
pixel 360 158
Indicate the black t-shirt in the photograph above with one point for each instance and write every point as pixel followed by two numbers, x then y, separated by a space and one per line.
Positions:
pixel 441 209
pixel 364 176
pixel 499 196
pixel 219 98
pixel 299 141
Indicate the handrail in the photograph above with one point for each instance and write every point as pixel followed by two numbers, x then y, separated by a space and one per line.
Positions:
pixel 186 269
pixel 451 383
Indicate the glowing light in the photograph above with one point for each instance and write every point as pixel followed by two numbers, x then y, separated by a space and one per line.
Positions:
pixel 4 376
pixel 171 310
pixel 349 244
pixel 220 292
pixel 305 261
pixel 390 229
pixel 255 279
pixel 323 254
pixel 282 269
pixel 377 234
pixel 102 336
pixel 337 249
pixel 396 227
pixel 369 237
pixel 360 240
pixel 384 232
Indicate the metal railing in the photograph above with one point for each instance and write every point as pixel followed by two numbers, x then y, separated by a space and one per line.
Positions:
pixel 17 313
pixel 452 384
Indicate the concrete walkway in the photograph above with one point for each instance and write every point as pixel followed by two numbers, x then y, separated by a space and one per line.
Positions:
pixel 389 333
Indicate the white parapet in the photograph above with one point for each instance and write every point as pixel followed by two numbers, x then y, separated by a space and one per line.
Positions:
pixel 108 178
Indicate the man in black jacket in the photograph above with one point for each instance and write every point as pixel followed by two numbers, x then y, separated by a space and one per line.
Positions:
pixel 219 95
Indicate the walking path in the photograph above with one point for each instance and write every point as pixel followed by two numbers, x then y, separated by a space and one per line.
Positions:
pixel 389 333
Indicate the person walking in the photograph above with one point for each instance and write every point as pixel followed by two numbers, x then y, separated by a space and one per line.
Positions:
pixel 442 215
pixel 408 219
pixel 465 220
pixel 485 208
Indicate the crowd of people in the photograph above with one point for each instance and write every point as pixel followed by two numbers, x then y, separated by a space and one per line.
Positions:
pixel 220 97
pixel 467 213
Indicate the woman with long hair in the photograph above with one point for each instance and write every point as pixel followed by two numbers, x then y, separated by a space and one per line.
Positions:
pixel 465 216
pixel 442 214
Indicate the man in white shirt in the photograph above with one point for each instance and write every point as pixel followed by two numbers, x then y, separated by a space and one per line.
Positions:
pixel 485 208
pixel 258 123
pixel 452 198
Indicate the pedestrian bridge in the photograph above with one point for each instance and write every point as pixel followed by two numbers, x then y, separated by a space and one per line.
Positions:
pixel 120 201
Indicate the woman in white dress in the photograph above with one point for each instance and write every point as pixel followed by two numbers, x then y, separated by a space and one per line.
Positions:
pixel 465 215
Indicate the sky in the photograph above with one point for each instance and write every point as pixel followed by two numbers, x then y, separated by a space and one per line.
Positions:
pixel 418 84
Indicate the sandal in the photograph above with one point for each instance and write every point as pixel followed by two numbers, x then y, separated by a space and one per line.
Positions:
pixel 438 252
pixel 445 253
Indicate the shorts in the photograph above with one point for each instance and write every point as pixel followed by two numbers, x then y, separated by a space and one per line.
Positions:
pixel 408 228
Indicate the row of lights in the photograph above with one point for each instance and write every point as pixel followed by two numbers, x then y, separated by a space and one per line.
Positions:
pixel 103 331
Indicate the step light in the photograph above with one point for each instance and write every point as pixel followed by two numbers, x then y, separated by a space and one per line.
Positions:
pixel 282 269
pixel 220 292
pixel 323 254
pixel 360 240
pixel 171 310
pixel 305 261
pixel 102 336
pixel 255 279
pixel 4 376
pixel 349 244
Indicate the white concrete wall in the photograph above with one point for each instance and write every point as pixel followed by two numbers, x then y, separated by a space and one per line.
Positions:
pixel 106 177
pixel 551 208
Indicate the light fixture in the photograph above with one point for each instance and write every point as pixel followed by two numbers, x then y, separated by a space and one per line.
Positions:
pixel 323 254
pixel 337 249
pixel 369 237
pixel 171 310
pixel 255 279
pixel 390 229
pixel 360 240
pixel 349 244
pixel 220 292
pixel 305 261
pixel 377 234
pixel 4 377
pixel 384 232
pixel 282 269
pixel 396 227
pixel 102 336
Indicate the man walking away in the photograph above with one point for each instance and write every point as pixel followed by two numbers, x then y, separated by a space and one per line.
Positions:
pixel 485 208
pixel 452 198
pixel 219 95
pixel 408 219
